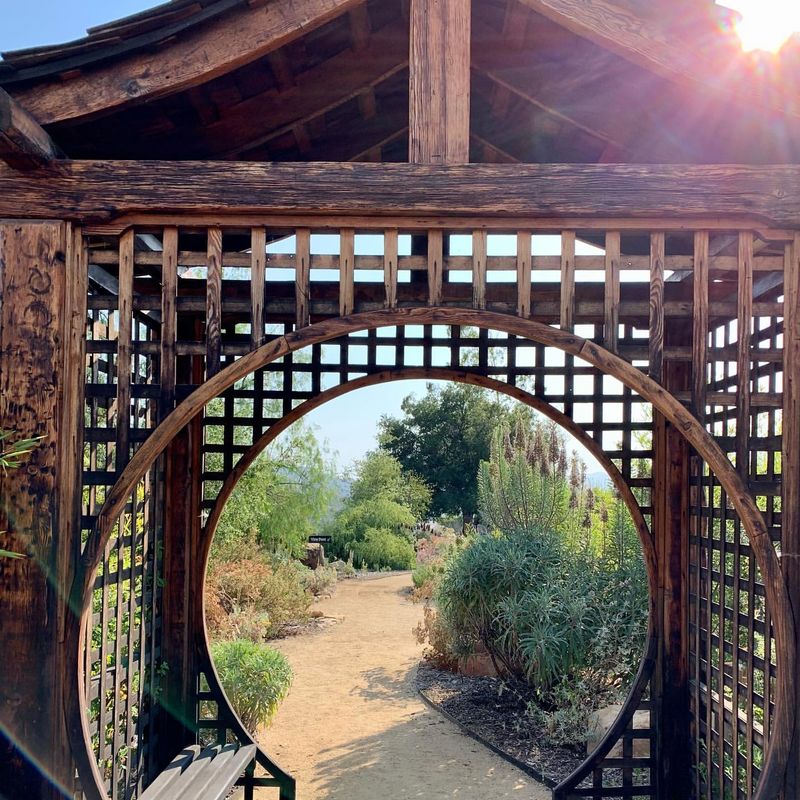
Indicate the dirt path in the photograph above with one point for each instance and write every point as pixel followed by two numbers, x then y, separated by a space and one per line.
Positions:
pixel 353 726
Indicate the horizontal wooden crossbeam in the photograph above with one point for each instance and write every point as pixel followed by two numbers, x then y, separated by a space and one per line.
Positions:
pixel 103 190
pixel 24 144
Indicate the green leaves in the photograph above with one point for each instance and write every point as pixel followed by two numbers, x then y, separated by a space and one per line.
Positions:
pixel 255 677
pixel 13 453
pixel 443 437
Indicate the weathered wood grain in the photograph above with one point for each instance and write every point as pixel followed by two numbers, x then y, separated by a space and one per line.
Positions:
pixel 258 277
pixel 390 248
pixel 32 297
pixel 347 256
pixel 303 276
pixel 204 53
pixel 479 248
pixel 743 357
pixel 567 280
pixel 169 321
pixel 524 246
pixel 214 302
pixel 656 342
pixel 645 43
pixel 611 305
pixel 439 82
pixel 24 144
pixel 124 346
pixel 700 324
pixel 98 190
pixel 790 477
pixel 435 266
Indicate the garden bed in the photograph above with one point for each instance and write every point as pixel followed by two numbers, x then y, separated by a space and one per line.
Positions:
pixel 497 718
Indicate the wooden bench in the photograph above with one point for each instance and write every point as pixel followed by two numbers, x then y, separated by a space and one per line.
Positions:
pixel 196 772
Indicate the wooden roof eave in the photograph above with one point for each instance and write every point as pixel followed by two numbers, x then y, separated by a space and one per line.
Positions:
pixel 647 45
pixel 24 144
pixel 201 53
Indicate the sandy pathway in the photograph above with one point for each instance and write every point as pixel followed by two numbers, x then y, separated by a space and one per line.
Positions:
pixel 353 726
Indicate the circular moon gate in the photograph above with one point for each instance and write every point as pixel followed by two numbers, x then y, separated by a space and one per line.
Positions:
pixel 647 661
pixel 673 410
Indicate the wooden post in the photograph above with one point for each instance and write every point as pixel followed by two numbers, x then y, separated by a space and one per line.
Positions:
pixel 439 89
pixel 36 319
pixel 790 544
pixel 671 536
pixel 182 529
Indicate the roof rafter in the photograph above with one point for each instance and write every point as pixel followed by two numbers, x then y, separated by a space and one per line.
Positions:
pixel 24 144
pixel 638 40
pixel 315 92
pixel 206 52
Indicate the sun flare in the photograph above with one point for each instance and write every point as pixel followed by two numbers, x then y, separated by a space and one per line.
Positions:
pixel 765 24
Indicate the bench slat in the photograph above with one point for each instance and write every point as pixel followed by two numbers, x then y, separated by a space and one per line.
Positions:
pixel 160 787
pixel 207 773
pixel 219 776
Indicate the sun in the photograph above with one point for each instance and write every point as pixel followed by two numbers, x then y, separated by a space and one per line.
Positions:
pixel 765 24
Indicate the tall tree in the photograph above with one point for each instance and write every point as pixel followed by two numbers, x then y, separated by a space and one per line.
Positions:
pixel 443 437
pixel 283 497
pixel 380 474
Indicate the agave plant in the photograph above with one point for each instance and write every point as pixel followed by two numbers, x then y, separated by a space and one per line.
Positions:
pixel 12 454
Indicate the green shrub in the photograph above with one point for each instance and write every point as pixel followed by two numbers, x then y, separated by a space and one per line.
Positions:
pixel 381 548
pixel 256 598
pixel 320 581
pixel 255 677
pixel 572 628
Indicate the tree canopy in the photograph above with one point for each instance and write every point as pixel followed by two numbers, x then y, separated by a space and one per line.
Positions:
pixel 444 436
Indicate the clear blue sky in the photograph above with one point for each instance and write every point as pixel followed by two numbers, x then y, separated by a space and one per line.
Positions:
pixel 35 22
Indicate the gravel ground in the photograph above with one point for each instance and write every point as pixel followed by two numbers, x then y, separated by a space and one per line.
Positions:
pixel 498 717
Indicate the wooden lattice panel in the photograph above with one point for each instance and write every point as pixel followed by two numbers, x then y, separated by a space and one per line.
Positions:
pixel 171 306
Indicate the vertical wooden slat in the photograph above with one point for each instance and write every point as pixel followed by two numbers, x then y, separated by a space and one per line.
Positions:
pixel 439 82
pixel 790 469
pixel 214 302
pixel 169 320
pixel 124 348
pixel 479 242
pixel 567 280
pixel 347 272
pixel 524 241
pixel 258 247
pixel 303 276
pixel 700 325
pixel 435 266
pixel 611 298
pixel 71 436
pixel 744 322
pixel 656 345
pixel 390 255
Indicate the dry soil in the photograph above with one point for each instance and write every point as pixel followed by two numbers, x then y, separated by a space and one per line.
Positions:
pixel 353 726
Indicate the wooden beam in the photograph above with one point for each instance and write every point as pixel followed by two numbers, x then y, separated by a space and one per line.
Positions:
pixel 439 82
pixel 104 190
pixel 204 53
pixel 24 144
pixel 314 92
pixel 640 41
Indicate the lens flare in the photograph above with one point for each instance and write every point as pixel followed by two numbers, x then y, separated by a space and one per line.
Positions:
pixel 765 24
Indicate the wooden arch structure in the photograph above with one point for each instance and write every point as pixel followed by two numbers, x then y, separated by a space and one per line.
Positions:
pixel 594 204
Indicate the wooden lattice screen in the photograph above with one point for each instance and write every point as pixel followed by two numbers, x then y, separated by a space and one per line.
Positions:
pixel 171 306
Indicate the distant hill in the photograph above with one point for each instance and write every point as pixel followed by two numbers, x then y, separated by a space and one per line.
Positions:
pixel 598 480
